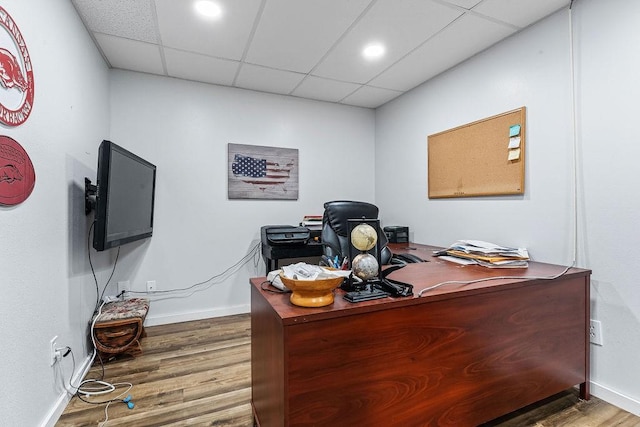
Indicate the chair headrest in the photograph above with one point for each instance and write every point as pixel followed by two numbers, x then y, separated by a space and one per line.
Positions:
pixel 337 213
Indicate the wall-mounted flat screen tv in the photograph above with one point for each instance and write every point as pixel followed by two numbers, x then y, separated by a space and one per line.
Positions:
pixel 124 197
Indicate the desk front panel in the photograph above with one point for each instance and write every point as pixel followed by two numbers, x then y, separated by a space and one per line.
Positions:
pixel 268 353
pixel 459 356
pixel 456 362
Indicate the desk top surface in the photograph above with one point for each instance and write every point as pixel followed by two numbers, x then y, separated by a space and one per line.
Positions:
pixel 421 276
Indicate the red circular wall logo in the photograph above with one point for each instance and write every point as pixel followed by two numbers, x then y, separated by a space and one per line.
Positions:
pixel 16 74
pixel 17 177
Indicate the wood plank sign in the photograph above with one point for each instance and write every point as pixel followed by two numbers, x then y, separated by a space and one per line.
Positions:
pixel 258 172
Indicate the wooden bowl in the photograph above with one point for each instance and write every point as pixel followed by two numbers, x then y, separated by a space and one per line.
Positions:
pixel 312 293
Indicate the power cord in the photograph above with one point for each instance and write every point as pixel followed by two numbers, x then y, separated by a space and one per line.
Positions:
pixel 82 390
pixel 485 279
pixel 99 295
pixel 94 386
pixel 127 400
pixel 206 284
pixel 574 135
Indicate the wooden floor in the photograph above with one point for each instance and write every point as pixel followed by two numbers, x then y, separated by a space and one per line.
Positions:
pixel 199 373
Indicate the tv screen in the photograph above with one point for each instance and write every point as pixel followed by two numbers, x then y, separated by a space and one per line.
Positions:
pixel 124 197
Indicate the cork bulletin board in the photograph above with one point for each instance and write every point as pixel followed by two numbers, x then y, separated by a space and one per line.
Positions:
pixel 483 158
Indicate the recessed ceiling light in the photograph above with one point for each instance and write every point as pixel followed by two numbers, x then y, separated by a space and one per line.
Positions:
pixel 373 51
pixel 208 9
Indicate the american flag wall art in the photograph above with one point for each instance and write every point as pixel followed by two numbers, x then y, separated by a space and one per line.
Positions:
pixel 258 172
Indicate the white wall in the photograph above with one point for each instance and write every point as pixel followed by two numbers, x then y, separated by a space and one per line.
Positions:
pixel 609 88
pixel 47 288
pixel 184 128
pixel 532 69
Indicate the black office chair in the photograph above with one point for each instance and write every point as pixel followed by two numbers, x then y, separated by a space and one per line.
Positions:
pixel 335 238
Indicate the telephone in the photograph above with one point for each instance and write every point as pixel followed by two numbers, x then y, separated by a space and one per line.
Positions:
pixel 395 287
pixel 356 288
pixel 405 258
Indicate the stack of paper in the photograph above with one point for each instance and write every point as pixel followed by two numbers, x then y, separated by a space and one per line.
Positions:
pixel 304 271
pixel 485 254
pixel 312 222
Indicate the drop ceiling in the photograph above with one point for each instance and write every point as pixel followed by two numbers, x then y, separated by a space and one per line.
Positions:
pixel 305 48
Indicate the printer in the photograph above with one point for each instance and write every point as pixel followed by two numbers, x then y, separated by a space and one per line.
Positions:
pixel 286 241
pixel 284 235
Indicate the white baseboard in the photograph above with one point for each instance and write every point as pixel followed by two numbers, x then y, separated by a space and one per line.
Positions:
pixel 615 398
pixel 63 400
pixel 197 315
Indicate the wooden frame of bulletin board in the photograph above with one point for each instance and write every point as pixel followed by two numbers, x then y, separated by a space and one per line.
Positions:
pixel 482 158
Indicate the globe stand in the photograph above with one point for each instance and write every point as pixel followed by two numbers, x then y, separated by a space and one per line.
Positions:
pixel 365 291
pixel 369 288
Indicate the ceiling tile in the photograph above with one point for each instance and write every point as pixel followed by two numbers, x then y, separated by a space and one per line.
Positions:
pixel 307 48
pixel 514 13
pixel 131 19
pixel 130 54
pixel 370 97
pixel 295 35
pixel 225 37
pixel 193 66
pixel 400 26
pixel 467 4
pixel 267 79
pixel 324 89
pixel 460 40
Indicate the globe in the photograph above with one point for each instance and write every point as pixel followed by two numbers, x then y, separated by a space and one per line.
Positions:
pixel 365 266
pixel 364 237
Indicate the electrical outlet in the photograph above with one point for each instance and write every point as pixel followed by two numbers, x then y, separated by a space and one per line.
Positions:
pixel 124 286
pixel 54 354
pixel 595 332
pixel 151 286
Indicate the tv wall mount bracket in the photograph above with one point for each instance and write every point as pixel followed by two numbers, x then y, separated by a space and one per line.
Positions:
pixel 89 196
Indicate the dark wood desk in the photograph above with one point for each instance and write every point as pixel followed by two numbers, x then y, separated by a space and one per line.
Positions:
pixel 457 356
